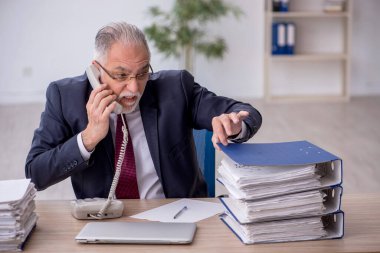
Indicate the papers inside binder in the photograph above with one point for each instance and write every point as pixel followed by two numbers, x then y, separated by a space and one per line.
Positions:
pixel 310 203
pixel 300 229
pixel 281 192
pixel 255 182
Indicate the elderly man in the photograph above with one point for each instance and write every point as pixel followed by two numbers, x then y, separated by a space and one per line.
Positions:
pixel 79 132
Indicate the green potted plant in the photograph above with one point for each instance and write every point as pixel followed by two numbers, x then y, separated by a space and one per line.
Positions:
pixel 182 30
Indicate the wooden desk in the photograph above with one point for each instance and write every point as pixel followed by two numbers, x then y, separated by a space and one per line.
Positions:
pixel 56 229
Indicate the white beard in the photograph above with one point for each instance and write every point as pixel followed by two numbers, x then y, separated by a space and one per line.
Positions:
pixel 132 107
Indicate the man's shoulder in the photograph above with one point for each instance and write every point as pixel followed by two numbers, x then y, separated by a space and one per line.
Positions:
pixel 72 81
pixel 170 80
pixel 168 75
pixel 73 87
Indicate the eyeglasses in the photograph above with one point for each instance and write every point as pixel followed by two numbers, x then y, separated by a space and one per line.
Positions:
pixel 121 77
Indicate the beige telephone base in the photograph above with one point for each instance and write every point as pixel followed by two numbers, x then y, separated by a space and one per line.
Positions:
pixel 86 209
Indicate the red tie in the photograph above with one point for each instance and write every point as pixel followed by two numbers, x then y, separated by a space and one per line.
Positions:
pixel 127 187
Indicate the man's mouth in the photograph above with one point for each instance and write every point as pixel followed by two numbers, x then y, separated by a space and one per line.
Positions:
pixel 128 100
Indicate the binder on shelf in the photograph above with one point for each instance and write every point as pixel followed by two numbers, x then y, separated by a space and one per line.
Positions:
pixel 290 38
pixel 329 226
pixel 275 49
pixel 280 5
pixel 276 5
pixel 278 38
pixel 284 6
pixel 283 38
pixel 297 205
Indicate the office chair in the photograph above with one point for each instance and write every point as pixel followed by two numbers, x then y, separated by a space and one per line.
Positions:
pixel 206 158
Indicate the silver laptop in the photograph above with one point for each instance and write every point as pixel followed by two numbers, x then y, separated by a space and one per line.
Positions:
pixel 137 232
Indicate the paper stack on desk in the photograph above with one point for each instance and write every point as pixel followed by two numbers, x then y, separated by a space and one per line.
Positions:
pixel 281 192
pixel 17 216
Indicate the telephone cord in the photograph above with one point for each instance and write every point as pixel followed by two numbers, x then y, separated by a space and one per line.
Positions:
pixel 115 181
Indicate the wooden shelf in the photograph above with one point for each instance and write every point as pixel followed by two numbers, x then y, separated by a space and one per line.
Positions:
pixel 313 74
pixel 307 98
pixel 308 14
pixel 309 57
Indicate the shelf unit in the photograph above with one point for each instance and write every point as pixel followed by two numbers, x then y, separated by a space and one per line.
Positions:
pixel 320 67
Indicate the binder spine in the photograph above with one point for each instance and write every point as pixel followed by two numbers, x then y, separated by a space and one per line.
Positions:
pixel 284 6
pixel 276 5
pixel 229 210
pixel 275 49
pixel 221 217
pixel 278 38
pixel 290 38
pixel 281 38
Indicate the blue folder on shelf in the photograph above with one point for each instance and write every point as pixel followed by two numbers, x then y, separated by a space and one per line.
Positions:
pixel 283 38
pixel 278 38
pixel 290 38
pixel 284 6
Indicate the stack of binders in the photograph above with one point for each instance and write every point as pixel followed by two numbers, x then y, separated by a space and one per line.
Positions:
pixel 280 5
pixel 17 216
pixel 283 38
pixel 280 192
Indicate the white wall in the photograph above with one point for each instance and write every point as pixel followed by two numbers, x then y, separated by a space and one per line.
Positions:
pixel 45 40
pixel 366 47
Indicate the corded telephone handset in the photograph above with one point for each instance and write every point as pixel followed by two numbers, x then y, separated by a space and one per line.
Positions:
pixel 93 76
pixel 99 208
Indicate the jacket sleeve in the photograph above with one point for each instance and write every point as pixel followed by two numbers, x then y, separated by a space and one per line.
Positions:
pixel 205 105
pixel 54 153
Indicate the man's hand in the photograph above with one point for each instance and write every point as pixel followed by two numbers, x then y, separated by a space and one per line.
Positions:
pixel 226 125
pixel 99 107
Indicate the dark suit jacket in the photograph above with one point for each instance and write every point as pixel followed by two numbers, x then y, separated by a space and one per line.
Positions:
pixel 171 106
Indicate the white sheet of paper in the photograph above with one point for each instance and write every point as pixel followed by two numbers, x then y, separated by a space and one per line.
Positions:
pixel 196 210
pixel 13 190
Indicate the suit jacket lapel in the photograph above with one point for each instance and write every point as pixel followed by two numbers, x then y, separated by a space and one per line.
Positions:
pixel 148 108
pixel 110 150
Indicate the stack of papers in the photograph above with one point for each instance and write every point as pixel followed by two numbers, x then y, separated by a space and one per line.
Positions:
pixel 333 5
pixel 292 205
pixel 17 216
pixel 254 182
pixel 281 192
pixel 311 228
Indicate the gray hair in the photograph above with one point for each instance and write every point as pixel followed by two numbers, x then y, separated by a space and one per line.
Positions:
pixel 118 32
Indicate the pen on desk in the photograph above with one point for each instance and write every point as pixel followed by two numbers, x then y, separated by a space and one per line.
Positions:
pixel 179 212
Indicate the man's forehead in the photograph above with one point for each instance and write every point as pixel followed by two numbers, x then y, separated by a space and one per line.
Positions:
pixel 129 67
pixel 128 57
pixel 133 53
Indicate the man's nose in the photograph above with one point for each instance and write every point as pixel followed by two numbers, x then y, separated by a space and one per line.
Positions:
pixel 133 85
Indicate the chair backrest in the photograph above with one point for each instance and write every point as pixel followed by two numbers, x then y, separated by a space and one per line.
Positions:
pixel 206 158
